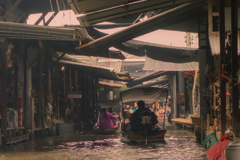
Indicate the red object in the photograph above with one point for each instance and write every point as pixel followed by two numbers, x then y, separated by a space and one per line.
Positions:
pixel 40 43
pixel 216 152
pixel 19 102
pixel 20 118
pixel 187 74
pixel 224 138
pixel 124 126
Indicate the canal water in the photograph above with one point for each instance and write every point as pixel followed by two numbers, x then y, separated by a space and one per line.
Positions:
pixel 179 145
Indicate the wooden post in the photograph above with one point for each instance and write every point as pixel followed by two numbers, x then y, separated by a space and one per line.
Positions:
pixel 222 61
pixel 32 102
pixel 93 91
pixel 15 103
pixel 64 84
pixel 49 90
pixel 25 56
pixel 70 79
pixel 57 92
pixel 208 127
pixel 87 93
pixel 235 66
pixel 193 90
pixel 174 99
pixel 96 95
pixel 83 96
pixel 39 91
pixel 202 52
pixel 214 95
pixel 15 97
pixel 3 68
pixel 76 81
pixel 27 108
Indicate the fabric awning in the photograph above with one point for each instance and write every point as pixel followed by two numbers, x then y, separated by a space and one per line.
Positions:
pixel 158 84
pixel 155 65
pixel 160 52
pixel 94 11
pixel 100 72
pixel 145 94
pixel 162 20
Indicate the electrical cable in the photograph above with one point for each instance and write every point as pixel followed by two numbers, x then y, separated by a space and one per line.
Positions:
pixel 7 12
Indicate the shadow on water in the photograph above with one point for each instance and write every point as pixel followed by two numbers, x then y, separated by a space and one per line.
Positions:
pixel 179 145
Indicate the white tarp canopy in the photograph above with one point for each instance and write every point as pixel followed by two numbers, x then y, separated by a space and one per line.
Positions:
pixel 156 65
pixel 146 94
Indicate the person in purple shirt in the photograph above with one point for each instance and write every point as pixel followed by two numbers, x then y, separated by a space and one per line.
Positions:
pixel 105 119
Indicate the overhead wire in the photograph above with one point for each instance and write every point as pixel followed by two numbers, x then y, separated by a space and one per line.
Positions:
pixel 7 12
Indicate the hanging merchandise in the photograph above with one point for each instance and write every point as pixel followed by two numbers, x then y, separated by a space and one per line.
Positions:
pixel 206 93
pixel 238 74
pixel 8 55
pixel 20 117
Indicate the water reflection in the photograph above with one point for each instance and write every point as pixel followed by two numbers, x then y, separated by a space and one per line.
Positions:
pixel 180 145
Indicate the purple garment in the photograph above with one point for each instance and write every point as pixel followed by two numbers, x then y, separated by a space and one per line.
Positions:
pixel 106 123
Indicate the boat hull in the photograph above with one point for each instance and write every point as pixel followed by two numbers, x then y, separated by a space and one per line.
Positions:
pixel 128 137
pixel 105 132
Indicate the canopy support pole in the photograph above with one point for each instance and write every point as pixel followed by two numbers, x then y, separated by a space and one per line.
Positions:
pixel 122 111
pixel 165 111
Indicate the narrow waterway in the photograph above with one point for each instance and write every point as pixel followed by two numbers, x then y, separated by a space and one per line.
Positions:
pixel 180 145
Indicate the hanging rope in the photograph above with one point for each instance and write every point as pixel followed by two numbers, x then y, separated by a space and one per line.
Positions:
pixel 126 5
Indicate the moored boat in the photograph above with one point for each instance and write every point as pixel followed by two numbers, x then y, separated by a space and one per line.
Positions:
pixel 105 132
pixel 147 130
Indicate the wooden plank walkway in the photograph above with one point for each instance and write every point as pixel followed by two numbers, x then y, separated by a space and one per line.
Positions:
pixel 187 122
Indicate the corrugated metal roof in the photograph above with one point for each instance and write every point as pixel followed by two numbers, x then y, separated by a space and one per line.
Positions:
pixel 58 37
pixel 159 21
pixel 100 72
pixel 95 11
pixel 24 31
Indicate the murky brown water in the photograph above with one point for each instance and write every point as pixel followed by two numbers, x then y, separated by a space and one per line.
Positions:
pixel 180 145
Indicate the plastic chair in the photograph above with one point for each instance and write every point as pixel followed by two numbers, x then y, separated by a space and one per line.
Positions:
pixel 211 138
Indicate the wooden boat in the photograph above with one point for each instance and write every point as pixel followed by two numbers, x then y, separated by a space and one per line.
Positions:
pixel 129 137
pixel 105 132
pixel 145 133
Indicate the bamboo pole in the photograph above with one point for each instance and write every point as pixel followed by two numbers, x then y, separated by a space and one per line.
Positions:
pixel 208 131
pixel 165 111
pixel 193 90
